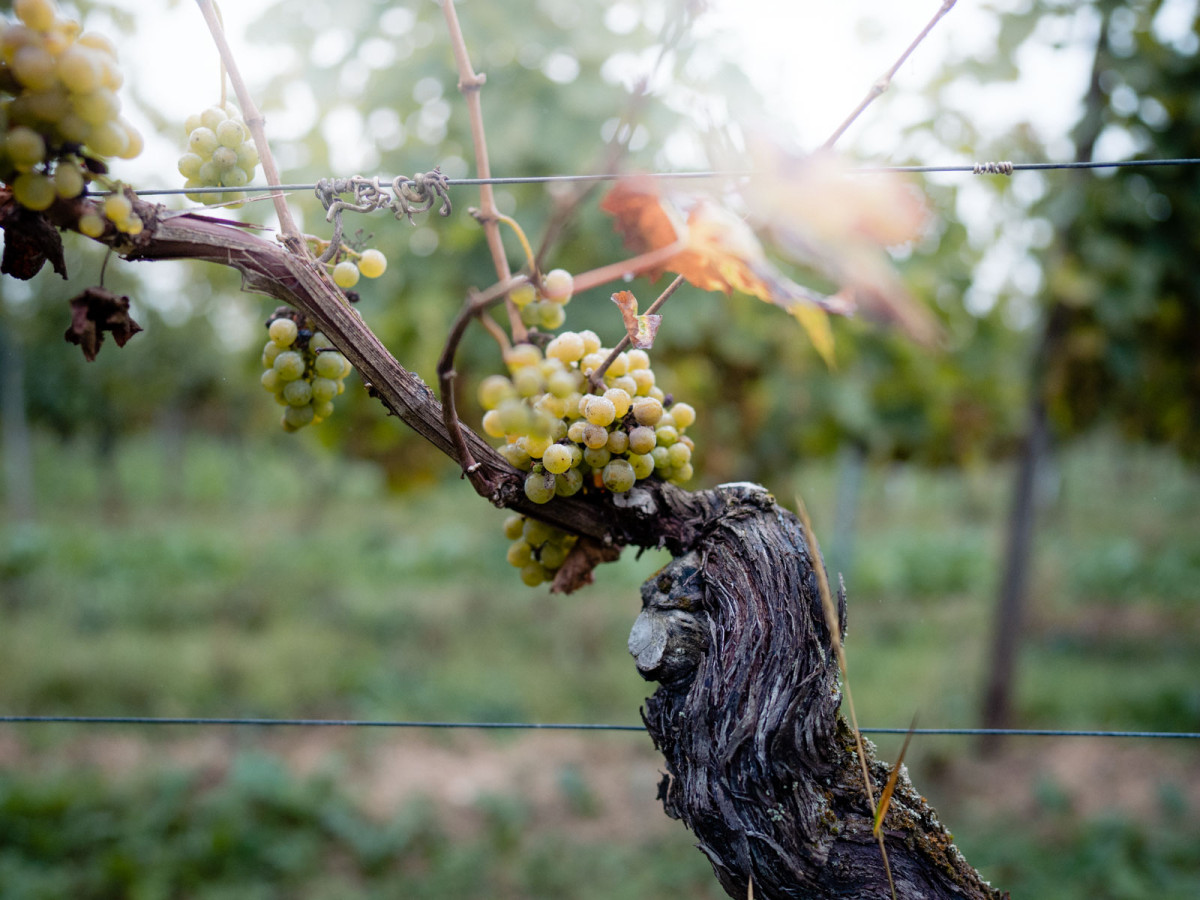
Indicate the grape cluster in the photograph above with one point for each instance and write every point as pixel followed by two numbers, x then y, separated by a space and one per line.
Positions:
pixel 542 305
pixel 303 370
pixel 58 105
pixel 370 264
pixel 570 436
pixel 220 153
pixel 537 549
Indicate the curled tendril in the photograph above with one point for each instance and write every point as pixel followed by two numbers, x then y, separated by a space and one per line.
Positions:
pixel 405 197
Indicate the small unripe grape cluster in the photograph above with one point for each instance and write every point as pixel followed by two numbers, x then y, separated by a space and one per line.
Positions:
pixel 571 437
pixel 543 306
pixel 302 370
pixel 58 105
pixel 537 549
pixel 220 153
pixel 370 264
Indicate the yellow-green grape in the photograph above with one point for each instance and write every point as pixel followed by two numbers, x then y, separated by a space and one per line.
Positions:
pixel 270 351
pixel 271 381
pixel 515 416
pixel 68 180
pixel 322 410
pixel 644 379
pixel 514 527
pixel 537 532
pixel 25 147
pixel 539 486
pixel 618 476
pixel 91 225
pixel 638 359
pixel 682 474
pixel 34 191
pixel 684 414
pixel 642 439
pixel 295 417
pixel 647 410
pixel 591 341
pixel 553 555
pixel 522 355
pixel 319 342
pixel 618 367
pixel 620 400
pixel 556 459
pixel 492 424
pixel 298 392
pixel 558 285
pixel 618 442
pixel 517 457
pixel 598 410
pixel 594 436
pixel 597 458
pixel 230 134
pixel 37 14
pixel 679 455
pixel 494 390
pixel 528 381
pixel 536 445
pixel 520 554
pixel 568 483
pixel 372 263
pixel 331 364
pixel 549 315
pixel 290 365
pixel 567 347
pixel 283 332
pixel 523 295
pixel 643 464
pixel 533 574
pixel 345 274
pixel 118 208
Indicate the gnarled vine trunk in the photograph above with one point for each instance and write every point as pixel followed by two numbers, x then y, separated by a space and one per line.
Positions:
pixel 760 766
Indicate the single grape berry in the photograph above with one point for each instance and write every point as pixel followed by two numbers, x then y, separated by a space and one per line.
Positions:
pixel 372 264
pixel 558 285
pixel 345 274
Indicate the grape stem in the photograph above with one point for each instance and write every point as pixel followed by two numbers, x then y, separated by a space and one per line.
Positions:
pixel 596 379
pixel 253 118
pixel 885 80
pixel 483 482
pixel 469 85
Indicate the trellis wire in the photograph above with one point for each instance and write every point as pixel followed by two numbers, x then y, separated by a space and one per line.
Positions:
pixel 981 168
pixel 552 726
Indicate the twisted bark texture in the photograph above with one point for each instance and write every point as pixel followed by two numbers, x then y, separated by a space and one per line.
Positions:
pixel 760 766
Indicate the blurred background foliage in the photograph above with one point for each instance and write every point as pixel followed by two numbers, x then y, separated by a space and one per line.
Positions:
pixel 168 551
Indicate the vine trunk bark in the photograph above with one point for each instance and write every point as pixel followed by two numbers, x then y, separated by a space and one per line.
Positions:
pixel 759 763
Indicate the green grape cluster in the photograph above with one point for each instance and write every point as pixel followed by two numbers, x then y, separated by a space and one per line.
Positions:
pixel 537 549
pixel 542 305
pixel 303 370
pixel 220 153
pixel 59 109
pixel 570 436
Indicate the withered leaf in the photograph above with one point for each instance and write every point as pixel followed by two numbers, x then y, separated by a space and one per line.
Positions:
pixel 641 329
pixel 576 570
pixel 29 241
pixel 96 311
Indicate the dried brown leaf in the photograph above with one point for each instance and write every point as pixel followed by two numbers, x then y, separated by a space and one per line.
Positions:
pixel 576 570
pixel 29 242
pixel 96 311
pixel 641 329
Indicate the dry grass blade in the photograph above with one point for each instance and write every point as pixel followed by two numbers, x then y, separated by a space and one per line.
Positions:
pixel 885 798
pixel 835 634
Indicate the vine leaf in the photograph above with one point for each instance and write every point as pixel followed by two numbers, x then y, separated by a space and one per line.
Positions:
pixel 838 223
pixel 30 241
pixel 721 252
pixel 641 329
pixel 96 311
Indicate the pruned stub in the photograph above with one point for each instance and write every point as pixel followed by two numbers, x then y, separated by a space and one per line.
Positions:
pixel 670 635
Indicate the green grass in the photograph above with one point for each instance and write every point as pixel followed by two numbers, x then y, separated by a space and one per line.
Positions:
pixel 273 580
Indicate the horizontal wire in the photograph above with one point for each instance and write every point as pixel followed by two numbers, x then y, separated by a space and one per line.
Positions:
pixel 553 726
pixel 614 176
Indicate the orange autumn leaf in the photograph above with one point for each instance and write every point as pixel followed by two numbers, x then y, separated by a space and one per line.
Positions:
pixel 720 251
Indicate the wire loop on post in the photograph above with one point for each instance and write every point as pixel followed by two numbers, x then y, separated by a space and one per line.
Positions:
pixel 993 168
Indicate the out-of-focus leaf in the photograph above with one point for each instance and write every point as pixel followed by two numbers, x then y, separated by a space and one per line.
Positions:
pixel 96 311
pixel 641 329
pixel 838 223
pixel 816 323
